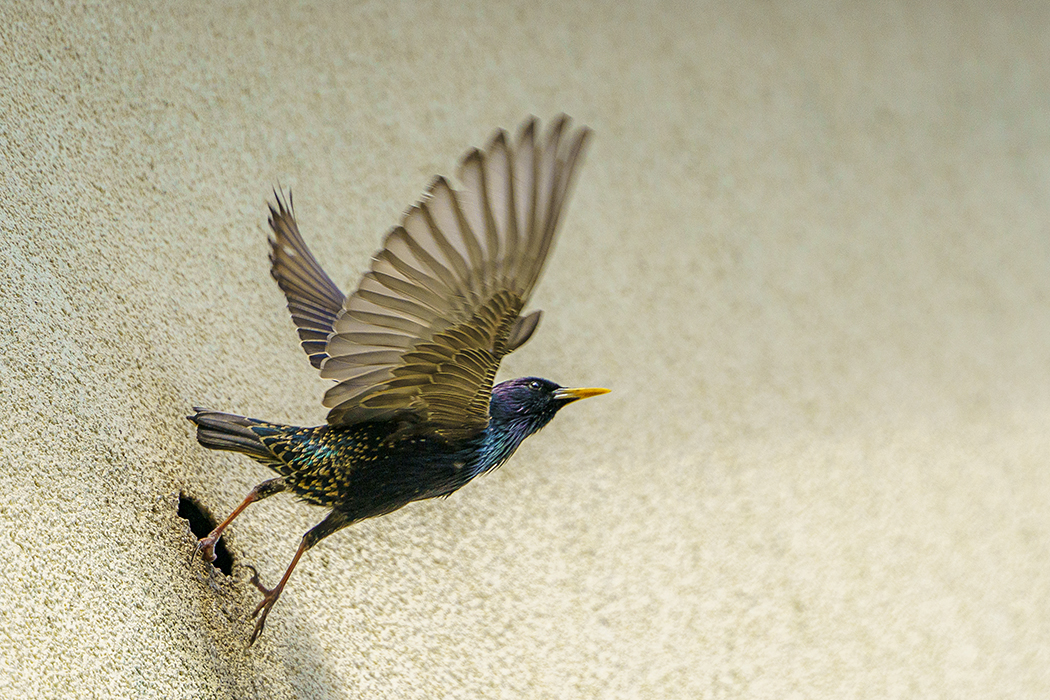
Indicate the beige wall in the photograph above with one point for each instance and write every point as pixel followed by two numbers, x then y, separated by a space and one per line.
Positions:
pixel 808 251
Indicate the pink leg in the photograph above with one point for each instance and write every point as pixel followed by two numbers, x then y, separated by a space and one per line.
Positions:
pixel 206 546
pixel 335 521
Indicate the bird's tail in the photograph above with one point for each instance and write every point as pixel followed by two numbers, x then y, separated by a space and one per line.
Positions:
pixel 225 431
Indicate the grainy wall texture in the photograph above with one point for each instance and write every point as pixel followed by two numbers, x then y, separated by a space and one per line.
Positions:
pixel 809 251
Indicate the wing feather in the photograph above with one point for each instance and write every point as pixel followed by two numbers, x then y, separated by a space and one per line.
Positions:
pixel 313 299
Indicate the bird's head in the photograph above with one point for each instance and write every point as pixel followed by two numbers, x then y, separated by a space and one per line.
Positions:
pixel 531 402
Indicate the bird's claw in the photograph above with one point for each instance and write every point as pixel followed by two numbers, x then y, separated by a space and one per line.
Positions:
pixel 270 596
pixel 205 548
pixel 254 580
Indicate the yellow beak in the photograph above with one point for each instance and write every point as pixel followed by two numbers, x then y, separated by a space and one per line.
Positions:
pixel 570 395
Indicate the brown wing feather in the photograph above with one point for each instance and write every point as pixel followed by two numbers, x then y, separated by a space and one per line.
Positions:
pixel 423 335
pixel 313 299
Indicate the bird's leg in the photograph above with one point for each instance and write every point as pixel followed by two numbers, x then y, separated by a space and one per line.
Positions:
pixel 206 545
pixel 335 521
pixel 270 595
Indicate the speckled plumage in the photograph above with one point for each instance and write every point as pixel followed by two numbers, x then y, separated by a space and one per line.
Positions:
pixel 374 468
pixel 414 414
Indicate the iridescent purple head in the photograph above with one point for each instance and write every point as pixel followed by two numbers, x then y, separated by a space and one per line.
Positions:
pixel 530 403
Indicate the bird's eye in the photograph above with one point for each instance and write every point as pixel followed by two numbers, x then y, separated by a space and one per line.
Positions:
pixel 534 385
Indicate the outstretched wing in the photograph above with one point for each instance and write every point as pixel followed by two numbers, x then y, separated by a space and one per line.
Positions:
pixel 313 299
pixel 423 335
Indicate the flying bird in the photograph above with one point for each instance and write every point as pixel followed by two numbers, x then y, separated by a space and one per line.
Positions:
pixel 414 351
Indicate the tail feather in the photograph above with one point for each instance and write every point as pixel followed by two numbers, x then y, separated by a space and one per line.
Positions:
pixel 225 431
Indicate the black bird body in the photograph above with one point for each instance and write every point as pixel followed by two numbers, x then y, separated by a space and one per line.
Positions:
pixel 374 468
pixel 414 414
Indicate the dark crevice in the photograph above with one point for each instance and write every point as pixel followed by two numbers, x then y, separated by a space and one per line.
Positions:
pixel 201 524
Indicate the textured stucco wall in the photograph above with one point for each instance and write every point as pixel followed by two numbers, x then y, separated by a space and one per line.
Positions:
pixel 808 251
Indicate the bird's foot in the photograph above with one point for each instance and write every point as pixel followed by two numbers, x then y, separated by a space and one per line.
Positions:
pixel 206 546
pixel 270 597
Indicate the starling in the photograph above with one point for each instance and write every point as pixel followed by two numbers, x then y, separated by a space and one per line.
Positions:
pixel 414 351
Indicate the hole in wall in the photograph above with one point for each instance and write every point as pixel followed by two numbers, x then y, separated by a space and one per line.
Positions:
pixel 201 524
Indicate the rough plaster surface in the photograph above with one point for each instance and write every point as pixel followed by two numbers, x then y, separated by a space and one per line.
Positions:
pixel 808 251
